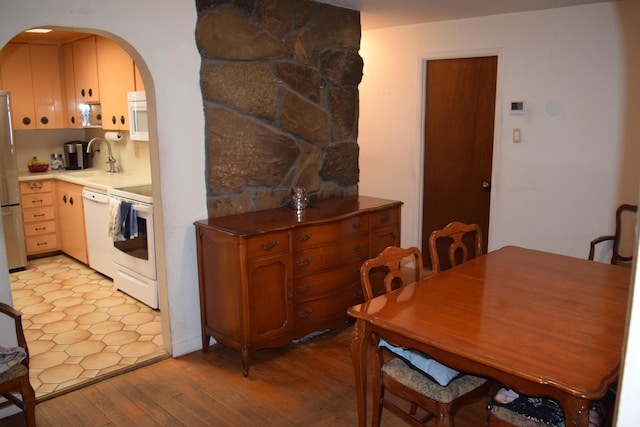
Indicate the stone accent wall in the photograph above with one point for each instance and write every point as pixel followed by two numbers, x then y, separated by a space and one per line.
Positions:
pixel 279 84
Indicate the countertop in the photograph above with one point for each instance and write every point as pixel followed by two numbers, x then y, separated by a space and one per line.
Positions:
pixel 94 178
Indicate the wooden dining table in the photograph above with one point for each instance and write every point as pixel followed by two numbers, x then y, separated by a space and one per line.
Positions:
pixel 540 323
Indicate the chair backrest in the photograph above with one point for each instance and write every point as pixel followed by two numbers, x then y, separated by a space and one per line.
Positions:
pixel 398 267
pixel 624 240
pixel 457 250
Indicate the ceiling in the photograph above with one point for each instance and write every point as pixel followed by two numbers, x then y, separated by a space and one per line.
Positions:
pixel 388 13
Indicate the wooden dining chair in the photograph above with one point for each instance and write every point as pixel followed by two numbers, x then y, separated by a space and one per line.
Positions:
pixel 623 239
pixel 14 378
pixel 418 380
pixel 453 238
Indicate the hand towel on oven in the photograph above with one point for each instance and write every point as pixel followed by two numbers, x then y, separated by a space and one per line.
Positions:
pixel 114 218
pixel 128 221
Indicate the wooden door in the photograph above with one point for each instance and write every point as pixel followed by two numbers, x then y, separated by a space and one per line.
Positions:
pixel 459 125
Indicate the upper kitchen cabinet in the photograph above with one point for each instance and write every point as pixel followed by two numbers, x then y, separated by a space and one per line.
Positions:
pixel 85 70
pixel 116 77
pixel 32 73
pixel 73 115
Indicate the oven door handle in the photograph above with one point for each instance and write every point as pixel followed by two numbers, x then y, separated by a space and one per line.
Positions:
pixel 142 208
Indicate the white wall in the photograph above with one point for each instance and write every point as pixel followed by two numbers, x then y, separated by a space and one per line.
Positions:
pixel 159 36
pixel 558 188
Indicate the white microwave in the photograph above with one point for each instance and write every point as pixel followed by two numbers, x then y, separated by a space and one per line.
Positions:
pixel 138 118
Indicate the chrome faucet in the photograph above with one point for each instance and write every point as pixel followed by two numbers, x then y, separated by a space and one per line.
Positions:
pixel 112 160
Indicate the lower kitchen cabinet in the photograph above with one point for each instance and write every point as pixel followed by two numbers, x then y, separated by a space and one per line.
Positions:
pixel 70 214
pixel 272 276
pixel 38 216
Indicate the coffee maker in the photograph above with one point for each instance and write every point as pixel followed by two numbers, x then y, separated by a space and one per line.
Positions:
pixel 76 156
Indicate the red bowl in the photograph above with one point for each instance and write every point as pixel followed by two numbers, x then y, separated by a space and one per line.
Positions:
pixel 40 167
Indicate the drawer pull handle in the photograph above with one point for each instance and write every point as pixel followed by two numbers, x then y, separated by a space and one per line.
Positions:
pixel 37 201
pixel 303 262
pixel 40 228
pixel 385 219
pixel 268 246
pixel 37 215
pixel 301 238
pixel 303 288
pixel 41 244
pixel 304 314
pixel 357 248
pixel 357 225
pixel 36 185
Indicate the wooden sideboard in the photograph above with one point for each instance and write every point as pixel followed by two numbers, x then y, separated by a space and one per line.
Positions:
pixel 269 277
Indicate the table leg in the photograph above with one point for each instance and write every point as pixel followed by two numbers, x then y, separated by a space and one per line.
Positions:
pixel 359 359
pixel 577 412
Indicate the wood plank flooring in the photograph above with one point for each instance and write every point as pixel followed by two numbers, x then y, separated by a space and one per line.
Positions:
pixel 304 384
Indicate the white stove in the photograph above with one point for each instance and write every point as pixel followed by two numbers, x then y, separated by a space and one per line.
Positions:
pixel 134 254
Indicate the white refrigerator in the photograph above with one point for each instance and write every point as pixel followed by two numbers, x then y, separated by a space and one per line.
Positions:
pixel 10 191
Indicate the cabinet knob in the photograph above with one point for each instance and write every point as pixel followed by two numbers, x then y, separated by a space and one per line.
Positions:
pixel 303 238
pixel 82 92
pixel 121 119
pixel 26 121
pixel 73 120
pixel 113 119
pixel 64 198
pixel 71 201
pixel 90 92
pixel 44 120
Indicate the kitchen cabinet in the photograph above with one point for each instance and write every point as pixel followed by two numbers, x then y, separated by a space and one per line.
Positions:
pixel 70 214
pixel 85 70
pixel 73 117
pixel 38 216
pixel 32 73
pixel 272 276
pixel 116 77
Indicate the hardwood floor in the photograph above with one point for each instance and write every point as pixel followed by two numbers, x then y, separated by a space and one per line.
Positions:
pixel 303 384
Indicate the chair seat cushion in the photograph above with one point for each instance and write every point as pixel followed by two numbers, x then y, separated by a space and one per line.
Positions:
pixel 531 411
pixel 11 356
pixel 400 371
pixel 433 369
pixel 14 372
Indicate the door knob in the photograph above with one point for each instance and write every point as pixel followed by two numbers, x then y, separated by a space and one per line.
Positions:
pixel 486 186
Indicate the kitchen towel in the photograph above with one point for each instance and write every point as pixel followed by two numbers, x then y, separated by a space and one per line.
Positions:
pixel 114 219
pixel 11 356
pixel 128 221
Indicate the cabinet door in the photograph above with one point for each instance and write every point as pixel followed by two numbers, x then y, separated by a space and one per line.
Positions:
pixel 73 117
pixel 85 70
pixel 15 61
pixel 47 86
pixel 70 214
pixel 270 300
pixel 116 78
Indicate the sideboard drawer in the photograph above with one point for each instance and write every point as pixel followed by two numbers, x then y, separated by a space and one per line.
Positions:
pixel 318 259
pixel 326 283
pixel 305 237
pixel 267 244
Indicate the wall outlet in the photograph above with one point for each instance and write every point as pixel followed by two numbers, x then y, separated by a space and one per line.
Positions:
pixel 517 135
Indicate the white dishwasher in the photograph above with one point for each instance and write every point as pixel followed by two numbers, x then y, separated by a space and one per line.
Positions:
pixel 96 222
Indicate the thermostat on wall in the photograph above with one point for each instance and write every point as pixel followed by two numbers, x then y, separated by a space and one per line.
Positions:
pixel 517 108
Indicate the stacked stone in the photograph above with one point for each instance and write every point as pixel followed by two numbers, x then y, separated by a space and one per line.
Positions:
pixel 280 82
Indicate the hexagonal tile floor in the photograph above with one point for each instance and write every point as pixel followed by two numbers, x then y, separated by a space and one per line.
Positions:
pixel 79 327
